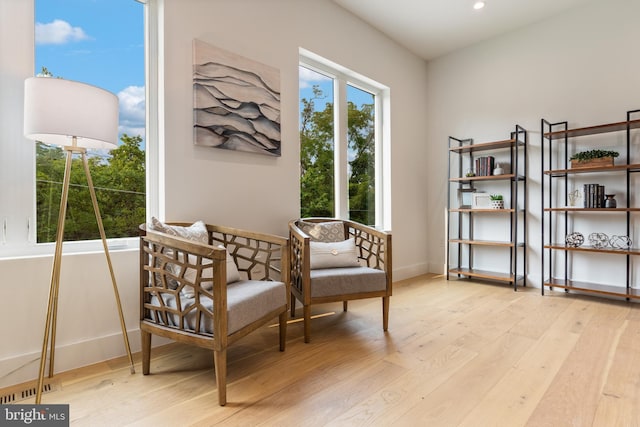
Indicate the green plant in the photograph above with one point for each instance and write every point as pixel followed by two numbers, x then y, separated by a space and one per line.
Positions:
pixel 593 154
pixel 495 196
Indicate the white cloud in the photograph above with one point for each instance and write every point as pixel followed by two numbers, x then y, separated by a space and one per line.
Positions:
pixel 132 111
pixel 308 77
pixel 58 32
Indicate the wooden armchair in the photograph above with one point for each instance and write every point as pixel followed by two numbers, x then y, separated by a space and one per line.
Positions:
pixel 200 293
pixel 326 267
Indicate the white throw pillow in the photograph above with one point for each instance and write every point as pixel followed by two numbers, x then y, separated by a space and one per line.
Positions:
pixel 196 231
pixel 333 254
pixel 233 275
pixel 331 231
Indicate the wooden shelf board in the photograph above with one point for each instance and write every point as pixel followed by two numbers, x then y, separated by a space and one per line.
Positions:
pixel 469 210
pixel 594 288
pixel 485 274
pixel 613 251
pixel 508 176
pixel 593 130
pixel 481 242
pixel 615 168
pixel 575 209
pixel 484 146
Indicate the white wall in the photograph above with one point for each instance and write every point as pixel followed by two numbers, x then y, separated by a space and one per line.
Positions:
pixel 219 186
pixel 581 66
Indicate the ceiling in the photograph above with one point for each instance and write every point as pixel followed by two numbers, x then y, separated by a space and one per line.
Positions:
pixel 431 28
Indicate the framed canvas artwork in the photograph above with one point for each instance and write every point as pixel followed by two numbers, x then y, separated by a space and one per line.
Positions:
pixel 236 102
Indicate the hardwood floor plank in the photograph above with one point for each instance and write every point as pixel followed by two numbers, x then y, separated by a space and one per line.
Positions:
pixel 449 403
pixel 516 395
pixel 576 390
pixel 621 392
pixel 393 401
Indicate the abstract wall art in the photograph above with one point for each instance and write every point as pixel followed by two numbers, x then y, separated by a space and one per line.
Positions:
pixel 236 102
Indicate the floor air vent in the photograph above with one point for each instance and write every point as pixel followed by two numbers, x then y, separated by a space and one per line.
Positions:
pixel 23 394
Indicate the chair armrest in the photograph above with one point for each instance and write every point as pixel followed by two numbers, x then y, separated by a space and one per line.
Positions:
pixel 373 246
pixel 258 256
pixel 299 256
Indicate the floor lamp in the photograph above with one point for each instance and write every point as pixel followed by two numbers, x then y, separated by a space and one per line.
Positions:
pixel 75 116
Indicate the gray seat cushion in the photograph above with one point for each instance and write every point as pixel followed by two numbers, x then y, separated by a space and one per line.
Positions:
pixel 351 280
pixel 247 301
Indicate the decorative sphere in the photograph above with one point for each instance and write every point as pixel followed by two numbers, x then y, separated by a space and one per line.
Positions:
pixel 620 242
pixel 598 240
pixel 574 239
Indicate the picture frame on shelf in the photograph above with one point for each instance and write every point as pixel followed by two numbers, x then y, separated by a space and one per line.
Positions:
pixel 481 201
pixel 465 197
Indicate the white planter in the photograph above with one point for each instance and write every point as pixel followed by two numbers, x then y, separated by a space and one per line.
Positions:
pixel 497 204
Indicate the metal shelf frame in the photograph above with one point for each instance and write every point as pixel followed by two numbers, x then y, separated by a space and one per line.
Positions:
pixel 555 141
pixel 461 220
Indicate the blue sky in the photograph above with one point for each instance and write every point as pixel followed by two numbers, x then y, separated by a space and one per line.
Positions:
pixel 100 42
pixel 308 78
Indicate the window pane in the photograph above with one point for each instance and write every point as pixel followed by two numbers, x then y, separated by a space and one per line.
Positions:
pixel 361 155
pixel 317 196
pixel 77 40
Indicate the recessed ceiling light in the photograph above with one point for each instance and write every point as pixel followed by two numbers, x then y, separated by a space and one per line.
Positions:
pixel 478 5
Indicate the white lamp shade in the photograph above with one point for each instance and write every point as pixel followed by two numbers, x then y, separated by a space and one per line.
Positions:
pixel 55 110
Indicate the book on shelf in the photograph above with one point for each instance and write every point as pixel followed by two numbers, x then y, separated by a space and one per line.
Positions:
pixel 593 196
pixel 484 165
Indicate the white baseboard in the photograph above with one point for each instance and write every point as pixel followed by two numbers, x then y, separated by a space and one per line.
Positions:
pixel 410 271
pixel 24 367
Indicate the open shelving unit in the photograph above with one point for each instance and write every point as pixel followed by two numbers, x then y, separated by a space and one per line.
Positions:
pixel 558 218
pixel 463 219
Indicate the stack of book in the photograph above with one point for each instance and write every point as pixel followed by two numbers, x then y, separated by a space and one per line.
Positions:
pixel 485 165
pixel 593 196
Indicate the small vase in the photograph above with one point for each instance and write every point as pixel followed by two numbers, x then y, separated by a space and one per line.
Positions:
pixel 610 202
pixel 497 204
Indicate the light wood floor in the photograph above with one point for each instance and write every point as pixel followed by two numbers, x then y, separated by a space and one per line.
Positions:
pixel 456 354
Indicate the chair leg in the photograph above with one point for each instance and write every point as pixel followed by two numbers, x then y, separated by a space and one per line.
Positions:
pixel 344 305
pixel 293 306
pixel 145 338
pixel 220 366
pixel 385 313
pixel 283 329
pixel 307 323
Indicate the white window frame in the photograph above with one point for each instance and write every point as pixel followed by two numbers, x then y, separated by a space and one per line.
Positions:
pixel 17 153
pixel 343 77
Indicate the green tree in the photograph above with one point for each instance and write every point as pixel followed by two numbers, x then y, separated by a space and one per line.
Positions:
pixel 49 173
pixel 316 158
pixel 317 164
pixel 361 135
pixel 119 181
pixel 123 187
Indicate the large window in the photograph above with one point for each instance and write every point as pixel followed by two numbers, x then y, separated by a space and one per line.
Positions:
pixel 341 167
pixel 78 40
pixel 100 42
